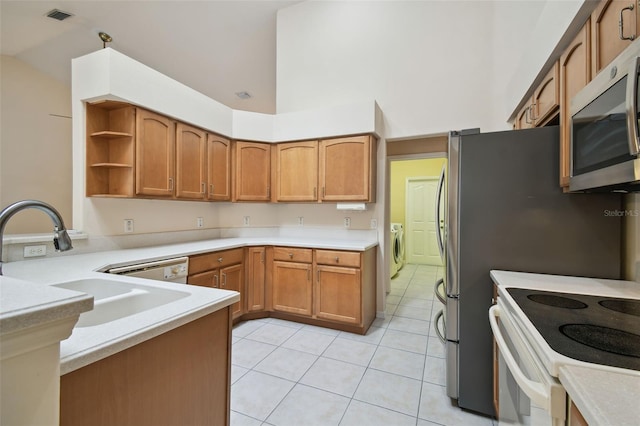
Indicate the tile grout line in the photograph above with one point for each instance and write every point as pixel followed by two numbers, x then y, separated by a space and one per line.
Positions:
pixel 368 367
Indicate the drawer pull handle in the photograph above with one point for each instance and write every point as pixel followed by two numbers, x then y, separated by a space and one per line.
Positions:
pixel 621 24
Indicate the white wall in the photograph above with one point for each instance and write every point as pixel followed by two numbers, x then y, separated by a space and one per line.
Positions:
pixel 432 66
pixel 427 64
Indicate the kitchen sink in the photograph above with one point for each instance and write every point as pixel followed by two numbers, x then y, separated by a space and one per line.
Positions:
pixel 114 300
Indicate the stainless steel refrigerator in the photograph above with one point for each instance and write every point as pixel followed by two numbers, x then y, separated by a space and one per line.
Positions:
pixel 505 210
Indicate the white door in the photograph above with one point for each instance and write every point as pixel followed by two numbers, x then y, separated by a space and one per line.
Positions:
pixel 421 246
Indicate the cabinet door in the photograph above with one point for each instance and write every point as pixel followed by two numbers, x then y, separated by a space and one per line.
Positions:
pixel 231 278
pixel 607 40
pixel 292 287
pixel 155 153
pixel 575 73
pixel 190 162
pixel 546 98
pixel 337 295
pixel 296 174
pixel 345 169
pixel 253 171
pixel 255 278
pixel 219 168
pixel 523 119
pixel 205 279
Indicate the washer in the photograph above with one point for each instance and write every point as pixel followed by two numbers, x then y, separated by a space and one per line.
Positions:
pixel 398 246
pixel 393 259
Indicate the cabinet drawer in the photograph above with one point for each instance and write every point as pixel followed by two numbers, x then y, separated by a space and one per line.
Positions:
pixel 218 259
pixel 289 254
pixel 338 258
pixel 205 279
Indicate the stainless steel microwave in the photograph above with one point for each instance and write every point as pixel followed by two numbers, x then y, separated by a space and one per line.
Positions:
pixel 605 140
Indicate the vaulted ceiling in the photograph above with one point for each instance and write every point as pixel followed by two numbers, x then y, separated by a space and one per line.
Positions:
pixel 216 47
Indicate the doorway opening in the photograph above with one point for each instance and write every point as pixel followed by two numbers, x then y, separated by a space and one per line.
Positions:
pixel 413 169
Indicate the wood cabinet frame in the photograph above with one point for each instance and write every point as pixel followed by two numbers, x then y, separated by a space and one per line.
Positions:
pixel 180 377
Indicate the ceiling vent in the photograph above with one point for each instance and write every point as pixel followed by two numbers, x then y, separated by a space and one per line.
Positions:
pixel 59 14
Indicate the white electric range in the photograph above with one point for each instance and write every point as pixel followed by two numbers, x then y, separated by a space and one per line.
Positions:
pixel 544 322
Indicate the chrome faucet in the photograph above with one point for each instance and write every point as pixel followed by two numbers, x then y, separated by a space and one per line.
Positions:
pixel 61 240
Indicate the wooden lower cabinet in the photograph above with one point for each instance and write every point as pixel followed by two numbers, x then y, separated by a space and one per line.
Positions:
pixel 330 288
pixel 181 377
pixel 292 287
pixel 221 269
pixel 255 272
pixel 338 294
pixel 232 278
pixel 575 416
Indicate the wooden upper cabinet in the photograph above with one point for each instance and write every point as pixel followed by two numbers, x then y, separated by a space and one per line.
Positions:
pixel 614 25
pixel 155 154
pixel 252 171
pixel 575 73
pixel 544 103
pixel 219 168
pixel 347 169
pixel 110 149
pixel 523 119
pixel 191 173
pixel 296 171
pixel 546 98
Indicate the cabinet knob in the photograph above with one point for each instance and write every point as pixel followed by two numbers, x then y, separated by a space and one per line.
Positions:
pixel 337 259
pixel 220 259
pixel 290 255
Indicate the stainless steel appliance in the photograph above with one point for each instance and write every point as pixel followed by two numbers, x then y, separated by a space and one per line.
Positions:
pixel 171 270
pixel 541 327
pixel 605 141
pixel 505 211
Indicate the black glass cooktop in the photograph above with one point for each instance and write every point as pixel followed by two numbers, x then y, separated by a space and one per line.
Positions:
pixel 596 329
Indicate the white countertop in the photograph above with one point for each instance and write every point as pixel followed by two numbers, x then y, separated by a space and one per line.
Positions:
pixel 90 344
pixel 605 395
pixel 603 398
pixel 24 304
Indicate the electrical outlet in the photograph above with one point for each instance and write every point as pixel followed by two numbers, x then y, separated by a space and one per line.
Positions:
pixel 374 224
pixel 199 222
pixel 347 222
pixel 128 226
pixel 300 220
pixel 35 251
pixel 246 220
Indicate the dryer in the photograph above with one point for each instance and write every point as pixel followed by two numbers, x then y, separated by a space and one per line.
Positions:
pixel 398 245
pixel 393 258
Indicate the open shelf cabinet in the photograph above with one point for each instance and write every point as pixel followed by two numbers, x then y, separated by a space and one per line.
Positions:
pixel 110 149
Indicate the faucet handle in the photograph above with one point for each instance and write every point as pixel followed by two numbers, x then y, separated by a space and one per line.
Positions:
pixel 61 240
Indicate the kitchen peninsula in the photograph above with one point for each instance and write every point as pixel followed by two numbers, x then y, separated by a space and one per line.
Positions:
pixel 95 344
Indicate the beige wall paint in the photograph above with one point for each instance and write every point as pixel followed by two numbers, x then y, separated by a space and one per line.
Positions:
pixel 35 144
pixel 399 172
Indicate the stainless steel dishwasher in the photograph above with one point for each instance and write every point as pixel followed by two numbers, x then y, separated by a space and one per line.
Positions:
pixel 172 270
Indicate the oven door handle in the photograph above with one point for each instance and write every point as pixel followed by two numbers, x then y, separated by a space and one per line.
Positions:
pixel 534 390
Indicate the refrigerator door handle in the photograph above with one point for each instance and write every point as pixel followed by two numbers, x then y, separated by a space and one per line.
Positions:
pixel 438 284
pixel 439 192
pixel 436 321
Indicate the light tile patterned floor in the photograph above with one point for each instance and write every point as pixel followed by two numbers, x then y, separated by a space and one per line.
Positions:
pixel 285 373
